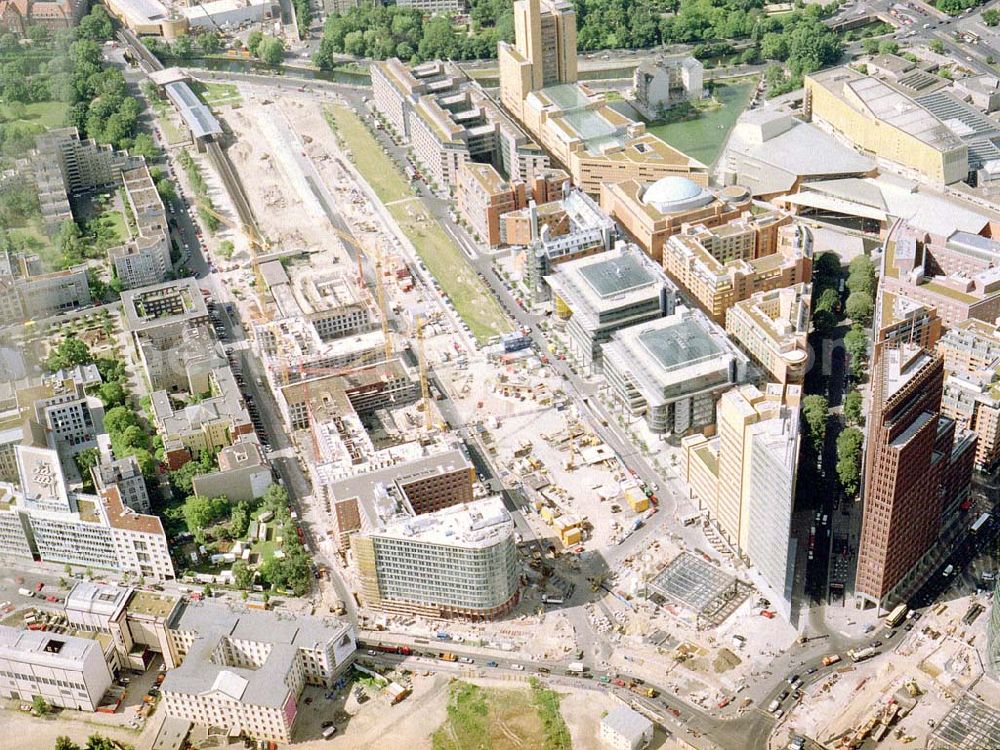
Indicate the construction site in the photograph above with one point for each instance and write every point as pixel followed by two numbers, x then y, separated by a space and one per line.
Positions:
pixel 932 692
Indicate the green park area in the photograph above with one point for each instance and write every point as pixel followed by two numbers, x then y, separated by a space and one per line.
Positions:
pixel 700 129
pixel 217 94
pixel 473 301
pixel 502 719
pixel 46 114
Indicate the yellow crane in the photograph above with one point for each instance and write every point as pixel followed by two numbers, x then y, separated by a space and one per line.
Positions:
pixel 425 389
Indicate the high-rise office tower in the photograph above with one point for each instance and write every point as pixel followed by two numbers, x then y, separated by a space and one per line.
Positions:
pixel 544 52
pixel 917 472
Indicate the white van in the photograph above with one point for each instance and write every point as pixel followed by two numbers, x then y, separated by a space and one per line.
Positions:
pixel 948 571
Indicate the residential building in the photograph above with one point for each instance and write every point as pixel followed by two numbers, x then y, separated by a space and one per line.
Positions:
pixel 591 140
pixel 85 165
pixel 651 213
pixel 483 196
pixel 434 6
pixel 625 729
pixel 659 84
pixel 672 371
pixel 170 333
pixel 31 293
pixel 745 478
pixel 206 425
pixel 887 124
pixel 722 266
pixel 600 294
pixel 917 470
pixel 957 275
pixel 145 258
pixel 244 472
pixel 244 670
pixel 772 153
pixel 66 412
pixel 17 15
pixel 971 397
pixel 125 474
pixel 449 120
pixel 773 328
pixel 64 670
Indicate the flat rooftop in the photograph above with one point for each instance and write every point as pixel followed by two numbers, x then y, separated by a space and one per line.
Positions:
pixel 616 276
pixel 475 524
pixel 679 345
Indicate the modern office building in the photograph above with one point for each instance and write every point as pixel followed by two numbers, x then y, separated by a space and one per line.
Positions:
pixel 958 274
pixel 145 258
pixel 43 519
pixel 136 620
pixel 450 120
pixel 971 352
pixel 600 294
pixel 64 670
pixel 672 370
pixel 651 213
pixel 886 124
pixel 591 140
pixel 667 80
pixel 916 474
pixel 244 670
pixel 207 425
pixel 62 407
pixel 902 319
pixel 745 478
pixel 722 266
pixel 460 561
pixel 773 328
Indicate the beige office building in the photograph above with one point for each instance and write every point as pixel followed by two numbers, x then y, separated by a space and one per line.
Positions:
pixel 773 328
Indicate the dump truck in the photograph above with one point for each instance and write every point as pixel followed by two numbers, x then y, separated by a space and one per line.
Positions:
pixel 448 656
pixel 830 659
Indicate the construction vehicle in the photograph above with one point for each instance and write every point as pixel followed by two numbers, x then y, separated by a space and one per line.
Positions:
pixel 862 654
pixel 648 692
pixel 448 656
pixel 830 659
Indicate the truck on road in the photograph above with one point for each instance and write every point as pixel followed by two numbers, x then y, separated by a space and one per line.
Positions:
pixel 896 616
pixel 862 654
pixel 448 656
pixel 576 668
pixel 830 659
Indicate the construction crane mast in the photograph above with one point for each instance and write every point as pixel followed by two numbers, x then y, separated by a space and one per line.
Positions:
pixel 425 389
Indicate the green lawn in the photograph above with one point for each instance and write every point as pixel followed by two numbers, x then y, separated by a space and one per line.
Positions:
pixel 217 94
pixel 703 134
pixel 378 169
pixel 449 265
pixel 46 114
pixel 501 719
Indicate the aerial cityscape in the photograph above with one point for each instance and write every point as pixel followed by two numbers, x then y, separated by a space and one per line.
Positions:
pixel 499 374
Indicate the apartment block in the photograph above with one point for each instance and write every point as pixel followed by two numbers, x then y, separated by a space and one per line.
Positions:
pixel 651 213
pixel 244 670
pixel 145 258
pixel 244 472
pixel 971 397
pixel 64 670
pixel 672 371
pixel 483 196
pixel 65 411
pixel 600 294
pixel 125 474
pixel 722 266
pixel 958 275
pixel 169 329
pixel 667 80
pixel 745 478
pixel 207 425
pixel 85 165
pixel 916 474
pixel 773 328
pixel 449 120
pixel 31 293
